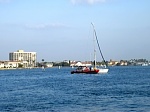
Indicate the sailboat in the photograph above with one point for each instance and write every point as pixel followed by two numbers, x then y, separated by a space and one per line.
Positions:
pixel 93 70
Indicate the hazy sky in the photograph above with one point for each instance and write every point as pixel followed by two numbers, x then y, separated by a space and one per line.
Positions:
pixel 61 29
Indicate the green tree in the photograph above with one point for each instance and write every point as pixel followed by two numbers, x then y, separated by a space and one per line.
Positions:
pixel 20 65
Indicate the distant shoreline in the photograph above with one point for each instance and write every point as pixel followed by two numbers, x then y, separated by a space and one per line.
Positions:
pixel 23 68
pixel 8 68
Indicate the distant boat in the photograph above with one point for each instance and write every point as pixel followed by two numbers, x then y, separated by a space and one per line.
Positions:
pixel 93 70
pixel 43 68
pixel 58 67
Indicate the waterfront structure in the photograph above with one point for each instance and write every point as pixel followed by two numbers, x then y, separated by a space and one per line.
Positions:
pixel 87 63
pixel 1 64
pixel 9 64
pixel 112 63
pixel 28 59
pixel 48 64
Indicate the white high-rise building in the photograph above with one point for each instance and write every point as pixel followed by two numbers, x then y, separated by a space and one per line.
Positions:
pixel 28 59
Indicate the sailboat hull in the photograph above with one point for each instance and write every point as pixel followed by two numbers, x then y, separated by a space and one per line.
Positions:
pixel 103 70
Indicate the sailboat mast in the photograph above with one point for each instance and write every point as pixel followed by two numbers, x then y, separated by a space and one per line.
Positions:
pixel 98 45
pixel 94 42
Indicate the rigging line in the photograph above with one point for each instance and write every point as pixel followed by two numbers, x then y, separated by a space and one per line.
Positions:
pixel 99 45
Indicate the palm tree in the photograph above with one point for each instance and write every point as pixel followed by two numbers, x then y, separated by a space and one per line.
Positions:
pixel 42 60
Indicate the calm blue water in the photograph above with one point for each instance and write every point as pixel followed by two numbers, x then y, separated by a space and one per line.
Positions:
pixel 123 89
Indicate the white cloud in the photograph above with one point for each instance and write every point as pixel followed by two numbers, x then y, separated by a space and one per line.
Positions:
pixel 87 1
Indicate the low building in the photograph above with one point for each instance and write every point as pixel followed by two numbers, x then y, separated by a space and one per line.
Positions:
pixel 123 63
pixel 1 64
pixel 10 64
pixel 112 63
pixel 72 64
pixel 48 64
